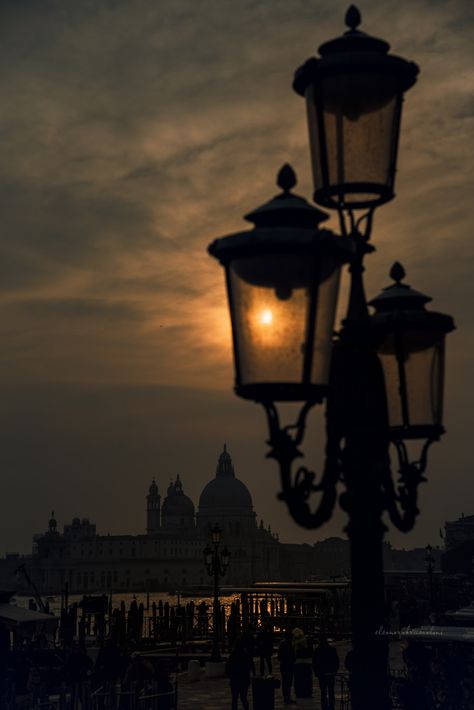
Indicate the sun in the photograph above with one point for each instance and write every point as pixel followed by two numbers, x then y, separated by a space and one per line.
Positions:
pixel 266 317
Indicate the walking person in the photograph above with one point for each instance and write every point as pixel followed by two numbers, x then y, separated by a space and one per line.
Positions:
pixel 265 647
pixel 303 674
pixel 239 666
pixel 286 656
pixel 325 666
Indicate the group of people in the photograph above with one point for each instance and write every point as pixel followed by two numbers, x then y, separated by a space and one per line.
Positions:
pixel 298 661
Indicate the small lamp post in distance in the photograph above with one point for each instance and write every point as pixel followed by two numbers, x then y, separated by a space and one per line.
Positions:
pixel 216 564
pixel 430 565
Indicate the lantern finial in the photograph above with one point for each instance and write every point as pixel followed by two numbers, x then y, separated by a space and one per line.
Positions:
pixel 397 272
pixel 286 178
pixel 353 17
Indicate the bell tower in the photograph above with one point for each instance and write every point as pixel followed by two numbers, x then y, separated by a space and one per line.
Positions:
pixel 153 509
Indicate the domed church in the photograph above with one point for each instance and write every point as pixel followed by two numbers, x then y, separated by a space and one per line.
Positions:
pixel 169 554
pixel 225 500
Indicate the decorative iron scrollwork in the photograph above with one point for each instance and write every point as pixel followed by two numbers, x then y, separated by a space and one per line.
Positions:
pixel 298 489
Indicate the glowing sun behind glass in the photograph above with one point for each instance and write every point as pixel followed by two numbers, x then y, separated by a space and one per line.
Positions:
pixel 266 317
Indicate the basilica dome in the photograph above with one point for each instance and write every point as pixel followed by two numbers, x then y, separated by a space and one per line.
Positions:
pixel 225 495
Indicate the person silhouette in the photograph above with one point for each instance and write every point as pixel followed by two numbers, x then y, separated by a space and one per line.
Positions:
pixel 286 656
pixel 325 666
pixel 239 666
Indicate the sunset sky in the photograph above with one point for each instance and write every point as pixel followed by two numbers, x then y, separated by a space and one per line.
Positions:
pixel 133 132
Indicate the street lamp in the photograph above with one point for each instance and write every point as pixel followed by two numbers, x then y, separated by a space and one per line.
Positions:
pixel 382 374
pixel 216 565
pixel 429 564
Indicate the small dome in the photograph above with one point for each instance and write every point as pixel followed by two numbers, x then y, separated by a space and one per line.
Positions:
pixel 176 503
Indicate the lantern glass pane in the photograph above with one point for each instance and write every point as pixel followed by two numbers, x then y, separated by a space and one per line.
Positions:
pixel 317 151
pixel 269 325
pixel 359 114
pixel 421 367
pixel 271 311
pixel 324 327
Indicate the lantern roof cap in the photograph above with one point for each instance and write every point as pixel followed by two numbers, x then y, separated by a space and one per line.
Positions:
pixel 357 51
pixel 399 296
pixel 400 304
pixel 287 223
pixel 354 40
pixel 286 208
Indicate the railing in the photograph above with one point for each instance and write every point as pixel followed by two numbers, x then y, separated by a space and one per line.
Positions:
pixel 108 697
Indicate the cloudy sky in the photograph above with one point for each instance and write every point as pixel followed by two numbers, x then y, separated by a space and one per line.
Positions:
pixel 132 133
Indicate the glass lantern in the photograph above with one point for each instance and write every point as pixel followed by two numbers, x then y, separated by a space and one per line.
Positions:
pixel 354 94
pixel 282 283
pixel 411 346
pixel 216 533
pixel 225 558
pixel 207 554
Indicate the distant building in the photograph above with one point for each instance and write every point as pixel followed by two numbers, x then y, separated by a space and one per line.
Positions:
pixel 459 539
pixel 459 531
pixel 169 555
pixel 333 558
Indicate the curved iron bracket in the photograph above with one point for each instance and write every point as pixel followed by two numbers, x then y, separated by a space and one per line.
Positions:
pixel 297 489
pixel 352 227
pixel 401 502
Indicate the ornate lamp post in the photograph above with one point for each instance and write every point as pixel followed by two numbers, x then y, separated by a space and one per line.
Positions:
pixel 216 565
pixel 382 374
pixel 429 564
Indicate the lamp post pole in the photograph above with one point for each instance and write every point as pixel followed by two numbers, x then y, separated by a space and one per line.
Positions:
pixel 429 563
pixel 216 656
pixel 216 564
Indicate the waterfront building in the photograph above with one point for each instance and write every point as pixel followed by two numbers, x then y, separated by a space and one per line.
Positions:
pixel 459 531
pixel 169 555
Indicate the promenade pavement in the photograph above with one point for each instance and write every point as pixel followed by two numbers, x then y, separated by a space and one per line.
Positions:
pixel 214 694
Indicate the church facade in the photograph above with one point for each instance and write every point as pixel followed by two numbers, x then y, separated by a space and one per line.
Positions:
pixel 169 555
